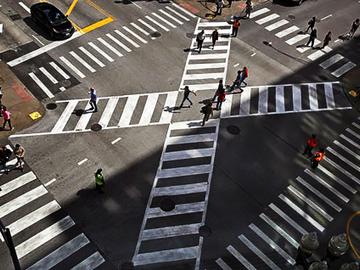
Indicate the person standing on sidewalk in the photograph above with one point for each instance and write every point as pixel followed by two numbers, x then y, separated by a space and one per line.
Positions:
pixel 200 39
pixel 236 25
pixel 354 27
pixel 311 24
pixel 319 156
pixel 207 110
pixel 19 152
pixel 229 3
pixel 99 181
pixel 327 40
pixel 219 7
pixel 214 37
pixel 93 100
pixel 187 92
pixel 311 143
pixel 313 36
pixel 7 117
pixel 248 8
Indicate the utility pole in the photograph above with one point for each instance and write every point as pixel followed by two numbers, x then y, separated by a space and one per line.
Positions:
pixel 9 242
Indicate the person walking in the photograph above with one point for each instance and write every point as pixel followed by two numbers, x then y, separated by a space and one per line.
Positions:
pixel 214 37
pixel 319 156
pixel 313 36
pixel 219 7
pixel 229 3
pixel 311 143
pixel 311 24
pixel 200 39
pixel 244 74
pixel 220 99
pixel 187 92
pixel 207 110
pixel 327 40
pixel 19 152
pixel 248 9
pixel 236 25
pixel 7 117
pixel 93 100
pixel 219 89
pixel 99 181
pixel 354 27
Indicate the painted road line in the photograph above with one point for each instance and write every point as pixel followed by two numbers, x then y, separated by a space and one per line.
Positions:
pixel 60 71
pixel 48 75
pixel 313 99
pixel 276 25
pixel 337 179
pixel 288 219
pixel 148 109
pixel 272 244
pixel 341 157
pixel 355 125
pixel 343 69
pixel 245 101
pixel 177 13
pixel 296 93
pixel 126 48
pixel 319 53
pixel 327 185
pixel 147 25
pixel 287 31
pixel 91 56
pixel 331 61
pixel 347 150
pixel 172 231
pixel 108 111
pixel 216 48
pixel 345 172
pixel 296 39
pixel 326 17
pixel 140 29
pixel 207 137
pixel 90 262
pixel 157 23
pixel 27 9
pixel 350 141
pixel 203 86
pixel 329 95
pixel 258 12
pixel 279 99
pixel 116 140
pixel 135 35
pixel 258 252
pixel 187 154
pixel 169 255
pixel 263 100
pixel 267 18
pixel 181 189
pixel 111 48
pixel 41 85
pixel 318 194
pixel 105 55
pixel 182 171
pixel 310 203
pixel 305 48
pixel 223 265
pixel 61 253
pixel 302 213
pixel 44 236
pixel 128 111
pixel 170 102
pixel 65 116
pixel 171 17
pixel 353 133
pixel 81 162
pixel 82 61
pixel 180 209
pixel 184 10
pixel 72 67
pixel 127 39
pixel 50 182
pixel 188 125
pixel 62 88
pixel 213 24
pixel 164 20
pixel 84 118
pixel 220 31
pixel 240 258
pixel 226 106
pixel 16 183
pixel 202 76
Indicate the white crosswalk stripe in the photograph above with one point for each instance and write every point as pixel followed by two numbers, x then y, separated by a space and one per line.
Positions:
pixel 184 10
pixel 47 74
pixel 258 12
pixel 60 71
pixel 134 34
pixel 91 56
pixel 171 17
pixel 331 61
pixel 287 31
pixel 267 19
pixel 240 258
pixel 72 67
pixel 177 13
pixel 41 85
pixel 164 20
pixel 276 25
pixel 127 39
pixel 82 61
pixel 105 55
pixel 140 29
pixel 111 48
pixel 157 23
pixel 147 25
pixel 343 69
pixel 122 45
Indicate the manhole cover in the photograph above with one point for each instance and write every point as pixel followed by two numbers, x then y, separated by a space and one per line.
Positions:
pixel 291 17
pixel 167 204
pixel 96 127
pixel 51 106
pixel 205 231
pixel 127 266
pixel 66 83
pixel 79 112
pixel 233 130
pixel 155 34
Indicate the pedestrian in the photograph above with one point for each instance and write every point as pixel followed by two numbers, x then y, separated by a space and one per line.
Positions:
pixel 244 74
pixel 219 89
pixel 214 37
pixel 319 156
pixel 219 7
pixel 313 36
pixel 229 3
pixel 248 8
pixel 236 25
pixel 327 40
pixel 220 99
pixel 311 143
pixel 187 92
pixel 5 154
pixel 93 100
pixel 7 117
pixel 354 27
pixel 207 111
pixel 19 152
pixel 236 82
pixel 99 181
pixel 200 39
pixel 1 95
pixel 311 24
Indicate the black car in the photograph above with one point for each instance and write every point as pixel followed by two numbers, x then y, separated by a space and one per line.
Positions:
pixel 298 2
pixel 51 18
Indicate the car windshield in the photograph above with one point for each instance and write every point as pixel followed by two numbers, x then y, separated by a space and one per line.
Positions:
pixel 55 16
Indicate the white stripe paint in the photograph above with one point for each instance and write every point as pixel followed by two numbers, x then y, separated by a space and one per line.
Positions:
pixel 65 116
pixel 140 29
pixel 170 102
pixel 203 86
pixel 122 45
pixel 346 149
pixel 183 10
pixel 208 56
pixel 287 31
pixel 135 35
pixel 263 100
pixel 82 61
pixel 84 118
pixel 356 167
pixel 170 16
pixel 116 140
pixel 60 71
pixel 267 18
pixel 177 13
pixel 90 262
pixel 201 76
pixel 213 24
pixel 240 258
pixel 182 171
pixel 343 69
pixel 148 109
pixel 258 12
pixel 180 209
pixel 303 49
pixel 147 25
pixel 223 265
pixel 72 67
pixel 331 61
pixel 326 17
pixel 245 101
pixel 91 56
pixel 82 161
pixel 164 20
pixel 105 55
pixel 172 231
pixel 345 172
pixel 206 137
pixel 296 93
pixel 180 189
pixel 48 75
pixel 319 53
pixel 108 111
pixel 296 39
pixel 329 95
pixel 128 111
pixel 27 9
pixel 50 182
pixel 111 48
pixel 188 125
pixel 350 141
pixel 337 179
pixel 226 106
pixel 187 154
pixel 127 39
pixel 279 99
pixel 157 23
pixel 62 88
pixel 276 25
pixel 41 85
pixel 313 97
pixel 17 183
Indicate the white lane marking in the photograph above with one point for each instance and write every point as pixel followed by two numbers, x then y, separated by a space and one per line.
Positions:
pixel 182 171
pixel 240 258
pixel 62 88
pixel 337 40
pixel 203 86
pixel 135 35
pixel 208 56
pixel 171 231
pixel 37 39
pixel 296 93
pixel 280 99
pixel 226 106
pixel 128 111
pixel 44 236
pixel 302 213
pixel 245 101
pixel 17 183
pixel 180 209
pixel 61 253
pixel 306 48
pixel 184 10
pixel 122 45
pixel 206 66
pixel 127 39
pixel 71 66
pixel 258 12
pixel 272 244
pixel 82 161
pixel 195 138
pixel 157 23
pixel 326 17
pixel 203 76
pixel 91 56
pixel 329 95
pixel 276 25
pixel 341 157
pixel 140 29
pixel 138 6
pixel 177 13
pixel 59 70
pixel 50 182
pixel 296 39
pixel 96 48
pixel 111 48
pixel 263 100
pixel 253 54
pixel 345 172
pixel 116 140
pixel 223 265
pixel 90 262
pixel 287 31
pixel 258 252
pixel 220 31
pixel 331 61
pixel 108 111
pixel 318 194
pixel 41 50
pixel 147 25
pixel 171 17
pixel 288 219
pixel 187 154
pixel 47 74
pixel 148 109
pixel 181 189
pixel 213 24
pixel 27 9
pixel 164 20
pixel 65 116
pixel 188 125
pixel 82 61
pixel 343 69
pixel 313 100
pixel 170 102
pixel 84 119
pixel 267 18
pixel 41 85
pixel 319 53
pixel 350 141
pixel 236 65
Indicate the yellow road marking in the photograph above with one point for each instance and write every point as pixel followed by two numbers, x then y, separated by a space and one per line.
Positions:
pixel 98 8
pixel 72 6
pixel 75 26
pixel 96 25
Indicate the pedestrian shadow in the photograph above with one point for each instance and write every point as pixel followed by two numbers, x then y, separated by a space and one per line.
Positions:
pixel 171 109
pixel 80 112
pixel 194 124
pixel 86 192
pixel 344 37
pixel 284 53
pixel 191 50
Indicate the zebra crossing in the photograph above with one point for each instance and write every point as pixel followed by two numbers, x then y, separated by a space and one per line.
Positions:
pixel 43 234
pixel 60 74
pixel 203 71
pixel 337 64
pixel 177 204
pixel 310 202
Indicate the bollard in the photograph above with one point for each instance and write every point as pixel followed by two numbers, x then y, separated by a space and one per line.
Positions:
pixel 338 245
pixel 350 266
pixel 318 266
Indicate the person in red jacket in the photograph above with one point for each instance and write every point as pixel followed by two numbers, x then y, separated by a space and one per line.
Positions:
pixel 311 143
pixel 319 156
pixel 7 117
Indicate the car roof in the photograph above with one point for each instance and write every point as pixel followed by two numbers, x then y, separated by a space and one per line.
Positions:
pixel 44 6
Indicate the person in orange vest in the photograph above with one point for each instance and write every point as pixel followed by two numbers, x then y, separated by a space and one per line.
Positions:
pixel 319 156
pixel 236 25
pixel 311 143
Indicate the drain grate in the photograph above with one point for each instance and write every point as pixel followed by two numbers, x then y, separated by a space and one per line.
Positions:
pixel 96 127
pixel 51 106
pixel 233 130
pixel 155 34
pixel 167 204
